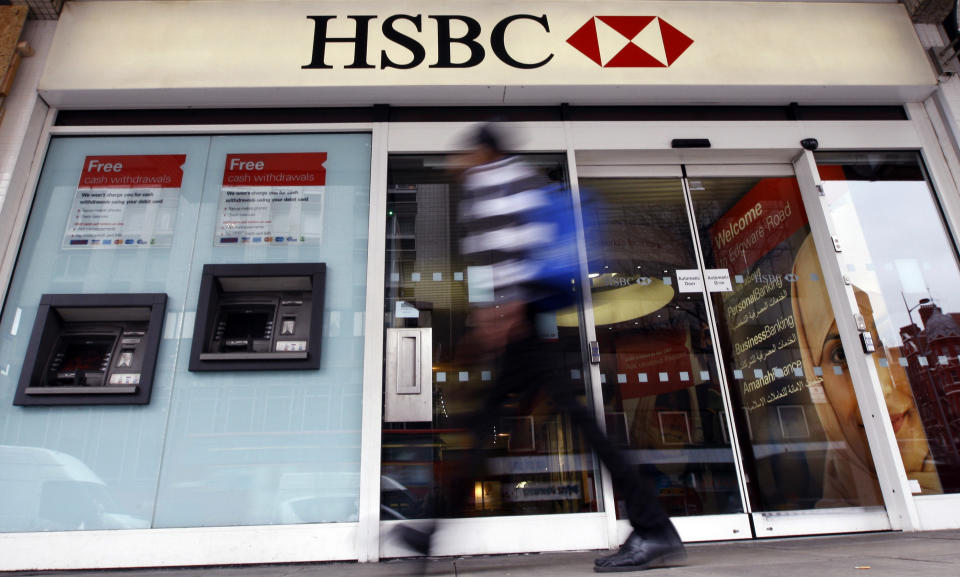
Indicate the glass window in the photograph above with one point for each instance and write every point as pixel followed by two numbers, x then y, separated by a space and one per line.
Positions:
pixel 902 264
pixel 98 464
pixel 535 461
pixel 215 448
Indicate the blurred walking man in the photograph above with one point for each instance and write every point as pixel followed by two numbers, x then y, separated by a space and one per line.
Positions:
pixel 513 231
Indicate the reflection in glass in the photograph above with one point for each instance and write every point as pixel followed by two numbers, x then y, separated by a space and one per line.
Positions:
pixel 900 259
pixel 535 464
pixel 661 396
pixel 798 419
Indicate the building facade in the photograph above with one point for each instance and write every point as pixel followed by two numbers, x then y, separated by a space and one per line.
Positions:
pixel 233 295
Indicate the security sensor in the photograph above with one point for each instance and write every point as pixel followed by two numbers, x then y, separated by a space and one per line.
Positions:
pixel 810 144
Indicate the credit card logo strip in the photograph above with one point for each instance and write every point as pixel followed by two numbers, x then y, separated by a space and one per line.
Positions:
pixel 125 379
pixel 291 346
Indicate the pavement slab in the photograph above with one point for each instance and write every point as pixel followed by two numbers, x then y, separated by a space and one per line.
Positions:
pixel 890 554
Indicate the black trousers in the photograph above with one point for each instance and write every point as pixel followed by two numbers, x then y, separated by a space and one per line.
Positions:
pixel 530 369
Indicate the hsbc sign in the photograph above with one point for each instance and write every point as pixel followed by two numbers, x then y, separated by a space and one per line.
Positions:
pixel 278 53
pixel 609 41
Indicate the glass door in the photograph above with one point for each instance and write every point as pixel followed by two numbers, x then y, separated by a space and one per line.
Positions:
pixel 720 369
pixel 538 489
pixel 807 465
pixel 901 263
pixel 718 358
pixel 659 369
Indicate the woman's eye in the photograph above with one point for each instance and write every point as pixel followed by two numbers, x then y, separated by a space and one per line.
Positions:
pixel 838 356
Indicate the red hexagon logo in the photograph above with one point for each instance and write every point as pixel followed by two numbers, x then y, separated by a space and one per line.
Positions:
pixel 630 41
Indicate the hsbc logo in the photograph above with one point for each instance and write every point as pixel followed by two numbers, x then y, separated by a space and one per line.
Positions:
pixel 630 41
pixel 458 41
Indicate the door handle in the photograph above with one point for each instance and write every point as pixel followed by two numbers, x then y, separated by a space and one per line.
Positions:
pixel 408 376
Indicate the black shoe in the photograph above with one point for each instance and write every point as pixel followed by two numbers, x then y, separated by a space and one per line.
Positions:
pixel 662 547
pixel 415 540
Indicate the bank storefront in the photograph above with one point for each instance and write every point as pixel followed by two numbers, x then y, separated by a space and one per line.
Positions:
pixel 233 293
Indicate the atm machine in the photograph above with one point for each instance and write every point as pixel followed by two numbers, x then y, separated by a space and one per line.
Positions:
pixel 92 349
pixel 259 317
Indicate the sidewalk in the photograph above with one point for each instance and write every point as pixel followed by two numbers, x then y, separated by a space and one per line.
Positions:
pixel 930 554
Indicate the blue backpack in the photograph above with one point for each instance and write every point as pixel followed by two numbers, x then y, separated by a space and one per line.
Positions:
pixel 558 273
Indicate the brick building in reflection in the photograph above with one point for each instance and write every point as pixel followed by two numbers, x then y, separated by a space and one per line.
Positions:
pixel 933 367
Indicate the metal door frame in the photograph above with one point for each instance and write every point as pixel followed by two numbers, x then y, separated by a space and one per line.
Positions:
pixel 692 528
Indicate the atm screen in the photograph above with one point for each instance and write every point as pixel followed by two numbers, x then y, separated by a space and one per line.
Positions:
pixel 86 354
pixel 247 323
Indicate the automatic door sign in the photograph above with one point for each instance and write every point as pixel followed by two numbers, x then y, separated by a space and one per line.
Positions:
pixel 125 201
pixel 272 199
pixel 689 280
pixel 718 280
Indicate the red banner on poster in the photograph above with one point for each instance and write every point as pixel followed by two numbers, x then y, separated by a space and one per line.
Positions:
pixel 130 171
pixel 275 169
pixel 766 216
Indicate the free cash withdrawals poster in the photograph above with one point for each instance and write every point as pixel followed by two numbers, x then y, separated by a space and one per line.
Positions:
pixel 125 201
pixel 272 198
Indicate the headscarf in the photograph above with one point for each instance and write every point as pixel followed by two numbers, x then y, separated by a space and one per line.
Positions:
pixel 849 476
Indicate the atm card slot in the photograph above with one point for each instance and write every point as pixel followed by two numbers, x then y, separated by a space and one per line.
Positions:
pixel 251 356
pixel 80 390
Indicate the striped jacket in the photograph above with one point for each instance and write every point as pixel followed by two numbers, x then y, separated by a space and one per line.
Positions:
pixel 519 235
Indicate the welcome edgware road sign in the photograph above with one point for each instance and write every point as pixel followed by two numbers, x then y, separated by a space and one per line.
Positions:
pixel 276 53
